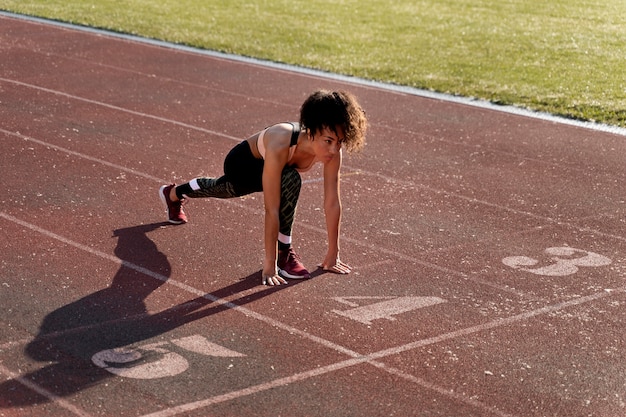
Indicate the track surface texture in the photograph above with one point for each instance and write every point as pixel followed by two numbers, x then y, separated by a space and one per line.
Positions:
pixel 488 249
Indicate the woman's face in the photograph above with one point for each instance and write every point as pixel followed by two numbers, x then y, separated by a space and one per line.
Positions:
pixel 327 144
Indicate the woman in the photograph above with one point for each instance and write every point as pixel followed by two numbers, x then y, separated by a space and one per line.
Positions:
pixel 270 161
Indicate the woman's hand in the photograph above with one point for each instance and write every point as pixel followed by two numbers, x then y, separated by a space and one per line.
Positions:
pixel 273 280
pixel 336 266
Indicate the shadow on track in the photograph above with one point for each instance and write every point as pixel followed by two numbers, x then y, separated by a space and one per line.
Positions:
pixel 112 318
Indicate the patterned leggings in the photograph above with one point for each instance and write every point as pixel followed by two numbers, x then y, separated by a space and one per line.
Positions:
pixel 243 175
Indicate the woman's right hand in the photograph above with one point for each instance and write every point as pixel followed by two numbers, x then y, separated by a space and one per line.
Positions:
pixel 274 279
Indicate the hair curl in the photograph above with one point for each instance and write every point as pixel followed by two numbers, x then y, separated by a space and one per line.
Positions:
pixel 337 111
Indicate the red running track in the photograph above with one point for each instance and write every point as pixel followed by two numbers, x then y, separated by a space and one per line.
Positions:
pixel 488 249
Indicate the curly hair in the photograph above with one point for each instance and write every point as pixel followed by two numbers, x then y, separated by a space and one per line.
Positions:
pixel 335 110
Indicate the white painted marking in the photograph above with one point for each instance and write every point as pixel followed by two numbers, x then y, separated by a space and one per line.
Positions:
pixel 356 357
pixel 306 226
pixel 493 324
pixel 371 359
pixel 350 80
pixel 560 266
pixel 386 309
pixel 346 300
pixel 201 345
pixel 169 281
pixel 280 384
pixel 82 156
pixel 43 392
pixel 270 321
pixel 122 109
pixel 166 363
pixel 348 239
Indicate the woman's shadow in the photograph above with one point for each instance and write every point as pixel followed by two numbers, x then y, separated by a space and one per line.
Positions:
pixel 111 318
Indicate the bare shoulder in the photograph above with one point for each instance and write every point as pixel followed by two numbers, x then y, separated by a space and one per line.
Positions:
pixel 278 136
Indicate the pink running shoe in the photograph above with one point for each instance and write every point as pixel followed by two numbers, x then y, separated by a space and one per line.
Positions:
pixel 289 265
pixel 175 212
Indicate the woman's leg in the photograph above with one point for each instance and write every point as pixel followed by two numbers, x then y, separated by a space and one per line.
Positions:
pixel 223 187
pixel 203 187
pixel 242 175
pixel 289 194
pixel 289 265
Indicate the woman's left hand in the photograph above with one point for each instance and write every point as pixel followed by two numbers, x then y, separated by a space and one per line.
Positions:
pixel 337 267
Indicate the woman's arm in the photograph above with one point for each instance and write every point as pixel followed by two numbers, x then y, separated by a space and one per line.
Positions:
pixel 332 211
pixel 276 155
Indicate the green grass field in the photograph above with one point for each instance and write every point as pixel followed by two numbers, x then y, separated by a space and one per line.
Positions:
pixel 564 57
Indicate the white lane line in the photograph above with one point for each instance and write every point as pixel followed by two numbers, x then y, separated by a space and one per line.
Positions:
pixel 347 239
pixel 450 393
pixel 178 284
pixel 141 174
pixel 302 376
pixel 280 382
pixel 383 177
pixel 356 242
pixel 356 358
pixel 317 74
pixel 360 171
pixel 43 392
pixel 82 156
pixel 122 109
pixel 497 323
pixel 313 373
pixel 372 360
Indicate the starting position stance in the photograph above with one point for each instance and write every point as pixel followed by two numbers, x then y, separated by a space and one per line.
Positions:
pixel 271 161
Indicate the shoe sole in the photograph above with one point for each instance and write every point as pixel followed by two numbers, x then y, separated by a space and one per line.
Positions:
pixel 284 274
pixel 167 209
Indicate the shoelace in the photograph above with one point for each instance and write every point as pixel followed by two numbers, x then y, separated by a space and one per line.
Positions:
pixel 292 256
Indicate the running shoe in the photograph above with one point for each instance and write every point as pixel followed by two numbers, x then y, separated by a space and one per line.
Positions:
pixel 175 212
pixel 289 265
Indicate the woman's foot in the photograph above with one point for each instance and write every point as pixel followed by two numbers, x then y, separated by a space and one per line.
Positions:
pixel 175 212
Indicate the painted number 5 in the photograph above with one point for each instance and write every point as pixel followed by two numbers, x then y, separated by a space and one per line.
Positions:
pixel 565 261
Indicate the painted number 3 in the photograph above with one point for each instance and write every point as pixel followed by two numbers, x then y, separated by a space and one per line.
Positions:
pixel 564 261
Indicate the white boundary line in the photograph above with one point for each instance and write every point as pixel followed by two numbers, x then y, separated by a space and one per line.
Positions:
pixel 398 255
pixel 43 392
pixel 371 359
pixel 390 252
pixel 355 359
pixel 336 77
pixel 393 253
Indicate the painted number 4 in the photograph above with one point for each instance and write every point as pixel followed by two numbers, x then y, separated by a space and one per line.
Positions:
pixel 564 261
